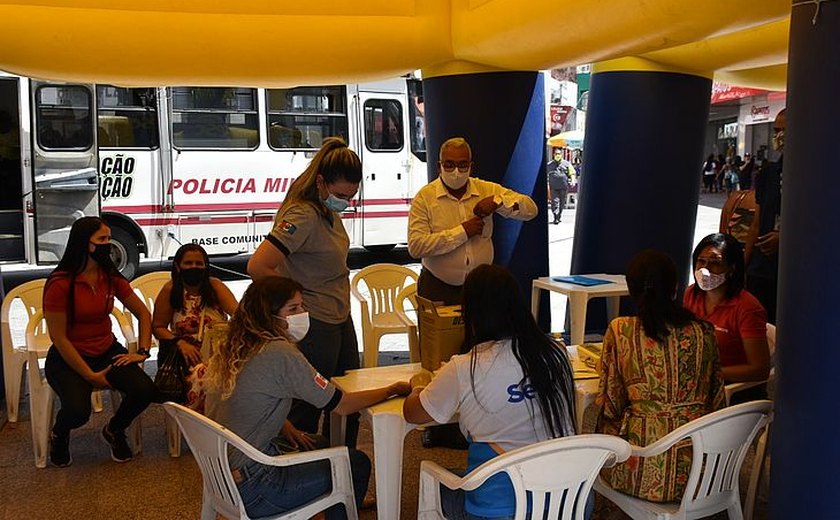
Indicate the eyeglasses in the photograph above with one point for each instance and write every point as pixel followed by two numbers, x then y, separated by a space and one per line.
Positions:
pixel 449 166
pixel 715 262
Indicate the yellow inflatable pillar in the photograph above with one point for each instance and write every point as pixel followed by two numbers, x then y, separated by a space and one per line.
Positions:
pixel 643 152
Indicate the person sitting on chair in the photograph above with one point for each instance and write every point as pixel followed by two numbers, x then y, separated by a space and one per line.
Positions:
pixel 250 385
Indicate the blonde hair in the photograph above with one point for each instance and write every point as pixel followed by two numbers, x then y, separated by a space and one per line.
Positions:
pixel 252 327
pixel 454 142
pixel 334 161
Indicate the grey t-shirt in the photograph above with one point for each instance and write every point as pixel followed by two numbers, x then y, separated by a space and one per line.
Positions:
pixel 316 257
pixel 265 387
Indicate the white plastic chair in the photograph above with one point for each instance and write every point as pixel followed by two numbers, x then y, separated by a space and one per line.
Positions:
pixel 719 441
pixel 409 294
pixel 209 443
pixel 557 473
pixel 42 397
pixel 384 282
pixel 733 388
pixel 147 288
pixel 14 356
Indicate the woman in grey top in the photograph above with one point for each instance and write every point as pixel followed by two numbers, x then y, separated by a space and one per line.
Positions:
pixel 309 244
pixel 250 387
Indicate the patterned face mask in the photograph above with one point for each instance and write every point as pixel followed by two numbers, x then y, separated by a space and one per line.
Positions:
pixel 707 280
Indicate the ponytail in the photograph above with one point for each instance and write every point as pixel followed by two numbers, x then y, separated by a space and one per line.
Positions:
pixel 334 161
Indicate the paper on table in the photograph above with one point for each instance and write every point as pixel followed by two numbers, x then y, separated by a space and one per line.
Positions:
pixel 580 280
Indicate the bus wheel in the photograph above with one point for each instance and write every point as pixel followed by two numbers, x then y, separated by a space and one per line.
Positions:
pixel 124 252
pixel 382 248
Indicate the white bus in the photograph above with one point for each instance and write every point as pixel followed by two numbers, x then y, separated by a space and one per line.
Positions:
pixel 211 166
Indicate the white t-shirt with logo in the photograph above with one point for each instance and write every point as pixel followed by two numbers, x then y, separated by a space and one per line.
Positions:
pixel 500 414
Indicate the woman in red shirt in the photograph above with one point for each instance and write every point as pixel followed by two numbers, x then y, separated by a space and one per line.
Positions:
pixel 85 355
pixel 718 296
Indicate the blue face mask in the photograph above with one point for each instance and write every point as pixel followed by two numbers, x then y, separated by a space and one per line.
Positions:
pixel 336 204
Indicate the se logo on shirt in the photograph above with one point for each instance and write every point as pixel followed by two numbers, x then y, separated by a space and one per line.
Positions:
pixel 517 396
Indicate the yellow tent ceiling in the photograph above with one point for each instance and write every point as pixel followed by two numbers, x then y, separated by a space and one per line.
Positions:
pixel 275 43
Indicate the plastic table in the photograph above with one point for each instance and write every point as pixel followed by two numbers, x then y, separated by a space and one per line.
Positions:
pixel 390 427
pixel 579 296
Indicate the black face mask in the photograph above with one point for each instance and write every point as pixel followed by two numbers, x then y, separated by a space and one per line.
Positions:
pixel 194 275
pixel 101 253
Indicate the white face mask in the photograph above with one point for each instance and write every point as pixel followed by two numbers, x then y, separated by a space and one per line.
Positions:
pixel 455 179
pixel 298 325
pixel 707 280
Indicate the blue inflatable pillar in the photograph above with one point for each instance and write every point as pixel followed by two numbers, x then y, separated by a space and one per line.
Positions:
pixel 502 116
pixel 645 129
pixel 805 447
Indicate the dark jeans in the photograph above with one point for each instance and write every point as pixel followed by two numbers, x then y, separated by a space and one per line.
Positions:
pixel 273 490
pixel 558 202
pixel 332 349
pixel 433 288
pixel 74 391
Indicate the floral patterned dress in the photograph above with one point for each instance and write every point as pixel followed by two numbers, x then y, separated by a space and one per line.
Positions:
pixel 648 389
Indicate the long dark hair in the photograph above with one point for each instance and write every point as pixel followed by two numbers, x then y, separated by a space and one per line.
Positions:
pixel 652 281
pixel 494 309
pixel 205 289
pixel 733 256
pixel 75 258
pixel 334 161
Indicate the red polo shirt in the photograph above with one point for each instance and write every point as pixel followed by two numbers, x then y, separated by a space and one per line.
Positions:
pixel 90 331
pixel 738 318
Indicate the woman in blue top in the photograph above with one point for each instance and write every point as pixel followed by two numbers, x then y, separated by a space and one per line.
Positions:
pixel 512 388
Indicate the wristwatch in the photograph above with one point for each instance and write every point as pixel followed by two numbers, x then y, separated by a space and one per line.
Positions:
pixel 144 352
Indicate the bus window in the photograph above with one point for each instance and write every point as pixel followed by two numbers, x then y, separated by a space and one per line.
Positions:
pixel 127 117
pixel 214 118
pixel 64 117
pixel 383 124
pixel 301 118
pixel 417 115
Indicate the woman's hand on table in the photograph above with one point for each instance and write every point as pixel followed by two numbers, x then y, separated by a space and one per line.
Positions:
pixel 420 380
pixel 400 388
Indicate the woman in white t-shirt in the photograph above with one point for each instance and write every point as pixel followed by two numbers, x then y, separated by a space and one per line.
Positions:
pixel 513 387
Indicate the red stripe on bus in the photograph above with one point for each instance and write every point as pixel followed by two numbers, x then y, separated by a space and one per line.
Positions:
pixel 193 221
pixel 154 208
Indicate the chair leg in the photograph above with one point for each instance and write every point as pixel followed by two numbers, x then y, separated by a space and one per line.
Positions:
pixel 207 511
pixel 734 511
pixel 13 373
pixel 96 401
pixel 371 349
pixel 755 475
pixel 173 435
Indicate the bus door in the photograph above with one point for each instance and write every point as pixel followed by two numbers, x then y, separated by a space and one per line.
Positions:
pixel 11 177
pixel 64 162
pixel 384 165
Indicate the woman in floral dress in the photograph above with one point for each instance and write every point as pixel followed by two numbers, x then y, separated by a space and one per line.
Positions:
pixel 659 371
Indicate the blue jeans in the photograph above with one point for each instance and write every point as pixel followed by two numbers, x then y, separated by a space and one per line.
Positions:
pixel 272 490
pixel 452 502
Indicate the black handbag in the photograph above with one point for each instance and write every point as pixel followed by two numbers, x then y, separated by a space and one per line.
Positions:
pixel 171 377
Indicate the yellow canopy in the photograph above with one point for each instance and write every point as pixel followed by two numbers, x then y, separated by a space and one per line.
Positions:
pixel 270 43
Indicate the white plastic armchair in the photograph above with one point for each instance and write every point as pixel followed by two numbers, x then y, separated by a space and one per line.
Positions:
pixel 409 294
pixel 384 282
pixel 558 474
pixel 209 443
pixel 719 441
pixel 42 397
pixel 732 388
pixel 30 295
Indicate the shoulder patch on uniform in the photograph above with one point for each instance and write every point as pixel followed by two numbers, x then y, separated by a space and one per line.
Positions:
pixel 288 227
pixel 320 380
